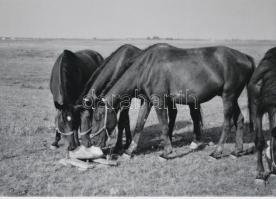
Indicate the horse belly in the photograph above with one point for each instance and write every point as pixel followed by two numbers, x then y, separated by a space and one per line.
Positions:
pixel 195 92
pixel 201 87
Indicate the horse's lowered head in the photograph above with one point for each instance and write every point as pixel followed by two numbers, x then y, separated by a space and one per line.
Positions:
pixel 98 120
pixel 67 122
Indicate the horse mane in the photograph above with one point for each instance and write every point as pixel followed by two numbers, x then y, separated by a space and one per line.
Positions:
pixel 69 82
pixel 267 96
pixel 129 62
pixel 126 67
pixel 96 74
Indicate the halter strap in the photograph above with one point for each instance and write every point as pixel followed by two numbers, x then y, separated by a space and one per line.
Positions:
pixel 105 122
pixel 101 129
pixel 84 132
pixel 60 132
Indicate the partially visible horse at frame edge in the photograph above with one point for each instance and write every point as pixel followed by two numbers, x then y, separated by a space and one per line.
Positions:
pixel 262 89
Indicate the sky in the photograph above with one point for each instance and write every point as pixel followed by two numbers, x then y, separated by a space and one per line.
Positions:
pixel 187 19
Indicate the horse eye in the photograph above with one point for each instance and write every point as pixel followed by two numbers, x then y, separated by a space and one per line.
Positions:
pixel 69 118
pixel 87 102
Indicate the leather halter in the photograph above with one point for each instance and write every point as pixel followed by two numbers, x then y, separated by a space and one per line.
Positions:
pixel 62 133
pixel 101 129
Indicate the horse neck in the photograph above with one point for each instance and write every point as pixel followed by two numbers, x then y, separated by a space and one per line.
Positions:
pixel 123 89
pixel 107 74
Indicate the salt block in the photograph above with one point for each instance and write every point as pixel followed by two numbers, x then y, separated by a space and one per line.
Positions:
pixel 194 146
pixel 211 143
pixel 83 152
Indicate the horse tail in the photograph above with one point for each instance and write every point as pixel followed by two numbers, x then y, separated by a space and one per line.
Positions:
pixel 249 99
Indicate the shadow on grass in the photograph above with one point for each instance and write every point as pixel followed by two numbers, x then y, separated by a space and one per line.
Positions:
pixel 150 140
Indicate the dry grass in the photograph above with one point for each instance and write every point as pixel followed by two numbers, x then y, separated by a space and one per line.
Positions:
pixel 29 167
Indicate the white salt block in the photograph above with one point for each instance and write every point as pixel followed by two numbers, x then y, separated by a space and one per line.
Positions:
pixel 211 143
pixel 86 153
pixel 194 145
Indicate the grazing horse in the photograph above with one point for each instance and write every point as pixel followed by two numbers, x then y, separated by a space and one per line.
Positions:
pixel 262 89
pixel 164 75
pixel 69 75
pixel 110 70
pixel 99 85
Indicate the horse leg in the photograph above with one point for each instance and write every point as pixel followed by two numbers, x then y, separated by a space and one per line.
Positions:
pixel 260 145
pixel 196 117
pixel 119 144
pixel 172 111
pixel 239 124
pixel 76 137
pixel 142 118
pixel 165 139
pixel 127 130
pixel 72 144
pixel 228 107
pixel 54 145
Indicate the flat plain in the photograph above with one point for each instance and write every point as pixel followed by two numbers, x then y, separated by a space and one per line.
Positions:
pixel 28 167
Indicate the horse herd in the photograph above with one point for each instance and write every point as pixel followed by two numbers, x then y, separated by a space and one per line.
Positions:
pixel 89 92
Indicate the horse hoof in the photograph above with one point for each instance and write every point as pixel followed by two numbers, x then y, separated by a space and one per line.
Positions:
pixel 53 147
pixel 215 155
pixel 259 182
pixel 166 154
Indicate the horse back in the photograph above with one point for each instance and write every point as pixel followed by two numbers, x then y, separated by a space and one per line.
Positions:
pixel 198 70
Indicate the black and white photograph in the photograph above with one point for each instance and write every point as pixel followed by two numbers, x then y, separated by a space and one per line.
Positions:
pixel 128 98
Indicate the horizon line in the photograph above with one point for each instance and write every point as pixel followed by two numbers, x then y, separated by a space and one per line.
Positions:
pixel 2 37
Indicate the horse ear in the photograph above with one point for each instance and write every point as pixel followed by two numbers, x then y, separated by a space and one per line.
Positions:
pixel 68 53
pixel 69 56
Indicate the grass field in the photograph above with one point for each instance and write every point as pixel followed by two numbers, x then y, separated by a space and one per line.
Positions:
pixel 28 167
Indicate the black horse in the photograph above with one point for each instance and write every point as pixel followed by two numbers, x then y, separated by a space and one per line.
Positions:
pixel 98 88
pixel 164 75
pixel 103 78
pixel 69 75
pixel 263 100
